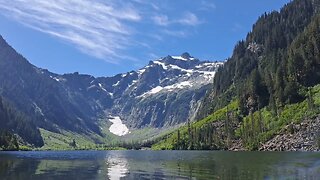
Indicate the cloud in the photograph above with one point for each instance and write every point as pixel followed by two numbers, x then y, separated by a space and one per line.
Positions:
pixel 205 5
pixel 176 33
pixel 96 28
pixel 189 19
pixel 105 29
pixel 161 20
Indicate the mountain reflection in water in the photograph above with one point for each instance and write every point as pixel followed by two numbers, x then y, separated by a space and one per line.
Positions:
pixel 117 167
pixel 158 165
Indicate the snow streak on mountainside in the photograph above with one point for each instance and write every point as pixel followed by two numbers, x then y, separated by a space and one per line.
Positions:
pixel 150 95
pixel 166 92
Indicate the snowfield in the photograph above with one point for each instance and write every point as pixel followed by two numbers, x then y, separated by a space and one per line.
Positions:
pixel 117 127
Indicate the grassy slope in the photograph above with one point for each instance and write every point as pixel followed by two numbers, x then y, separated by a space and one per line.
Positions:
pixel 272 124
pixel 64 139
pixel 169 140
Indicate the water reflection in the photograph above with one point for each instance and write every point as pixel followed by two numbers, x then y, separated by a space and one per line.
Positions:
pixel 116 165
pixel 117 168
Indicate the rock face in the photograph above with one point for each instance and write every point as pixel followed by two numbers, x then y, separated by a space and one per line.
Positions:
pixel 296 137
pixel 168 91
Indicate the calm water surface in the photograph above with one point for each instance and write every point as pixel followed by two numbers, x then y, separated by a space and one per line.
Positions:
pixel 158 165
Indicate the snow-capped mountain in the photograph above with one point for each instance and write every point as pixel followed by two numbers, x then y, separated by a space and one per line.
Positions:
pixel 166 92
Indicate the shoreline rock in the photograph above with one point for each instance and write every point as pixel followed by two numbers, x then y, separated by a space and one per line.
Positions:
pixel 304 136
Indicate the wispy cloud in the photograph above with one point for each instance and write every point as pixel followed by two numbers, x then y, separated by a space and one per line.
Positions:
pixel 188 19
pixel 176 33
pixel 161 20
pixel 105 29
pixel 96 28
pixel 207 5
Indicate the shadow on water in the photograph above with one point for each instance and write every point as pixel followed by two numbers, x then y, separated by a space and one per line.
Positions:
pixel 158 165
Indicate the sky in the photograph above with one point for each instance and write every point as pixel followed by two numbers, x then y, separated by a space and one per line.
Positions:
pixel 108 37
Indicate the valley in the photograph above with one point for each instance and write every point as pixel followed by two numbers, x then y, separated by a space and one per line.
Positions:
pixel 265 93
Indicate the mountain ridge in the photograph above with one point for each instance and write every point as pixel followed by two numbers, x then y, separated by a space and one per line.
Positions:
pixel 269 86
pixel 75 102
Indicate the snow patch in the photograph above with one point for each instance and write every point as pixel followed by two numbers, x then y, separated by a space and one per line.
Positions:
pixel 161 64
pixel 38 109
pixel 179 58
pixel 100 85
pixel 155 90
pixel 141 71
pixel 180 85
pixel 116 84
pixel 117 127
pixel 55 78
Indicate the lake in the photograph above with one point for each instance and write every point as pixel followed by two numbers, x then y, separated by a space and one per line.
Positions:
pixel 158 165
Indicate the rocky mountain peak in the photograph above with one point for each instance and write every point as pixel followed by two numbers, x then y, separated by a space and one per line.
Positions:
pixel 186 55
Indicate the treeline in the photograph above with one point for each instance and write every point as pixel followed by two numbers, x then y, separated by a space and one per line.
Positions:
pixel 271 74
pixel 8 141
pixel 278 56
pixel 14 123
pixel 216 131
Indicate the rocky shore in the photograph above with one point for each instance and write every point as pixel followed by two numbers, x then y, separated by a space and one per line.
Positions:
pixel 304 136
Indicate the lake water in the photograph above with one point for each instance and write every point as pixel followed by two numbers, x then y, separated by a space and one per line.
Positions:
pixel 158 165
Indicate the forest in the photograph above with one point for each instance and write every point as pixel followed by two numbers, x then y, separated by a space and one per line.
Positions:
pixel 271 80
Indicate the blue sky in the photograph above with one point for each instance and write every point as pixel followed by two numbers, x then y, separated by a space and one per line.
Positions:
pixel 107 37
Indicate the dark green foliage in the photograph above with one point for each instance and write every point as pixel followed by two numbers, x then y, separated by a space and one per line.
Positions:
pixel 73 143
pixel 12 121
pixel 49 104
pixel 279 56
pixel 8 141
pixel 212 133
pixel 271 74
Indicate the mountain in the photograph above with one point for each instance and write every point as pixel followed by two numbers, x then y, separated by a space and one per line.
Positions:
pixel 269 85
pixel 33 92
pixel 148 97
pixel 166 92
pixel 14 122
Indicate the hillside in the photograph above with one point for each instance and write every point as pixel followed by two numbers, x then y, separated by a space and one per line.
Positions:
pixel 82 107
pixel 270 81
pixel 16 128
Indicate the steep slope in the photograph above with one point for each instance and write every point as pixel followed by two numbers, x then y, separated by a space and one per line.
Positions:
pixel 166 92
pixel 13 122
pixel 77 103
pixel 43 99
pixel 150 96
pixel 269 82
pixel 266 51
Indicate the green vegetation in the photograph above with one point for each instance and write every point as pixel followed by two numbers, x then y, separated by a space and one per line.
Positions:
pixel 263 125
pixel 68 140
pixel 278 58
pixel 273 77
pixel 218 130
pixel 8 141
pixel 14 124
pixel 202 134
